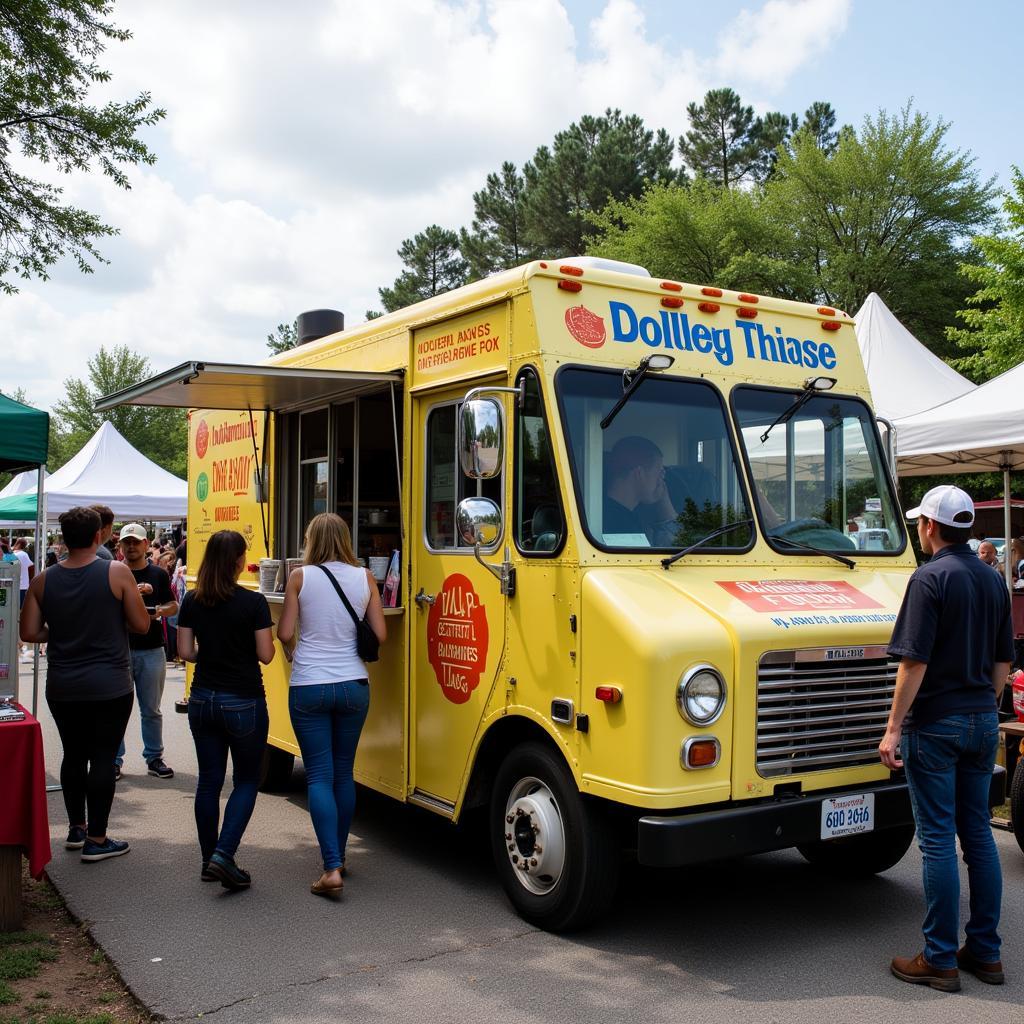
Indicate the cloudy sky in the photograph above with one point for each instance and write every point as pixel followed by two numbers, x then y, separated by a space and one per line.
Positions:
pixel 304 141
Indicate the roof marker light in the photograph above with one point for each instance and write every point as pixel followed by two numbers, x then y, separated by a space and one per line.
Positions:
pixel 543 266
pixel 831 325
pixel 747 313
pixel 717 292
pixel 752 299
pixel 671 286
pixel 826 311
pixel 709 307
pixel 671 302
pixel 570 286
pixel 608 694
pixel 568 268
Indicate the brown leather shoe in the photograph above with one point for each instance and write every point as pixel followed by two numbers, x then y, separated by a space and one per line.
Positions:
pixel 991 974
pixel 918 971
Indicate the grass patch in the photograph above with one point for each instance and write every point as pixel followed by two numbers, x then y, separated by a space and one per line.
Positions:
pixel 23 939
pixel 7 996
pixel 23 961
pixel 1002 811
pixel 96 957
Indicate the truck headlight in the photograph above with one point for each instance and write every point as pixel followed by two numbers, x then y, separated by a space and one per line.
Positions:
pixel 700 695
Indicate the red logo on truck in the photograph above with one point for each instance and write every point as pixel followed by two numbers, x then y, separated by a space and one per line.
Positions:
pixel 202 439
pixel 457 638
pixel 799 595
pixel 586 327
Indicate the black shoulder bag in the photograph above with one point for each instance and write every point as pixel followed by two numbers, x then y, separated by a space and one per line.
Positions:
pixel 367 644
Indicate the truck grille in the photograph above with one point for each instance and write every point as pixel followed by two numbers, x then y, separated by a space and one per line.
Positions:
pixel 822 708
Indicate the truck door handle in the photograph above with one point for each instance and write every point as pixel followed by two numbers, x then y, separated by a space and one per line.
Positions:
pixel 421 598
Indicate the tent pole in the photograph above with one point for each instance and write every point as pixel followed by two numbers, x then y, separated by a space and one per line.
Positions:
pixel 40 560
pixel 1007 567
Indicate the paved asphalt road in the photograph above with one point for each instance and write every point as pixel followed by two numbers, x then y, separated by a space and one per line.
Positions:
pixel 424 933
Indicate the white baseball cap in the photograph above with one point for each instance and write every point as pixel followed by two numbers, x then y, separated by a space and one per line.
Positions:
pixel 136 530
pixel 945 504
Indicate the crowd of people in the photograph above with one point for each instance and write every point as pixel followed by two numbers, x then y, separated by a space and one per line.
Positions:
pixel 103 616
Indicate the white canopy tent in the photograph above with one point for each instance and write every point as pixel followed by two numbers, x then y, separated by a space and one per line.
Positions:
pixel 979 432
pixel 21 483
pixel 109 471
pixel 905 377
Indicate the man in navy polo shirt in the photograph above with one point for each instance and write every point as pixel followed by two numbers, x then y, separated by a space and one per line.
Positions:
pixel 954 640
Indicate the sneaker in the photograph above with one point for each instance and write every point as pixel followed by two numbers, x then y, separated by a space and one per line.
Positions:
pixel 117 773
pixel 918 971
pixel 991 974
pixel 159 769
pixel 102 851
pixel 225 869
pixel 75 839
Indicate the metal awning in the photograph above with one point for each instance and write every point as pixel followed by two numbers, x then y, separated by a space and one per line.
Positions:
pixel 197 385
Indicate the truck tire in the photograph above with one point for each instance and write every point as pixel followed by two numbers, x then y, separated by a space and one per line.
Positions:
pixel 276 770
pixel 1017 803
pixel 555 851
pixel 860 856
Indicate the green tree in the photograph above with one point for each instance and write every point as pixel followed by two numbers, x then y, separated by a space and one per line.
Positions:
pixel 49 51
pixel 497 239
pixel 774 130
pixel 283 338
pixel 723 143
pixel 160 434
pixel 612 157
pixel 994 331
pixel 433 265
pixel 819 123
pixel 890 211
pixel 705 233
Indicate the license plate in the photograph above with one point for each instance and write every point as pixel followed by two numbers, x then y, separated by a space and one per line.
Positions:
pixel 847 815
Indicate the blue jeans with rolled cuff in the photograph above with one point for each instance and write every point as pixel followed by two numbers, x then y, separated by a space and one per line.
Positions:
pixel 327 719
pixel 223 722
pixel 949 772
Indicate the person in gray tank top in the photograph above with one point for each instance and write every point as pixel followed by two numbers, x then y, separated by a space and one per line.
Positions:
pixel 83 609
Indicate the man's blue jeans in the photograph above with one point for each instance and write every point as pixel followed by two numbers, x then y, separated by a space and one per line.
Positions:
pixel 149 669
pixel 327 719
pixel 949 772
pixel 222 722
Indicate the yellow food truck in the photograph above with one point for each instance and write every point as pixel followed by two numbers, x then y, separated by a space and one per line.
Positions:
pixel 645 556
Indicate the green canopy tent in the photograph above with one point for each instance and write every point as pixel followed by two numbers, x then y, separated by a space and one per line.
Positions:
pixel 24 444
pixel 19 508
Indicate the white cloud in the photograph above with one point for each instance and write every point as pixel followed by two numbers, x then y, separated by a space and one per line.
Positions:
pixel 300 148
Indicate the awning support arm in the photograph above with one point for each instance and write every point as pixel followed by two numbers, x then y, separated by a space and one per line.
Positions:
pixel 261 483
pixel 398 463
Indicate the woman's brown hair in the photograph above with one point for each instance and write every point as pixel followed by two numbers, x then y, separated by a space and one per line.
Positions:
pixel 328 540
pixel 218 571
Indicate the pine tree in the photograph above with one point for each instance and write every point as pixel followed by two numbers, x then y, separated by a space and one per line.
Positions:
pixel 819 123
pixel 283 338
pixel 598 159
pixel 433 265
pixel 723 143
pixel 497 239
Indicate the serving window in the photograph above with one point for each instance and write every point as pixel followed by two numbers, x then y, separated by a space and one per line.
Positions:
pixel 343 457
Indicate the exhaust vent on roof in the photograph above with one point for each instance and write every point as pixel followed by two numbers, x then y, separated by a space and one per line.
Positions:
pixel 318 323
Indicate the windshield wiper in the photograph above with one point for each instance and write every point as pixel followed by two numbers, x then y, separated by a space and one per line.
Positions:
pixel 812 386
pixel 728 528
pixel 632 379
pixel 810 547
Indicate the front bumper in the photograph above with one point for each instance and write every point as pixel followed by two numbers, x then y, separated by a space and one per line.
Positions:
pixel 664 841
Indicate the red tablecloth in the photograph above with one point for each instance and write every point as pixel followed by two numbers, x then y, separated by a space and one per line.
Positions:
pixel 23 818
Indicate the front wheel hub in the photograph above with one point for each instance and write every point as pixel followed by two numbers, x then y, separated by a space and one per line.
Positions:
pixel 537 846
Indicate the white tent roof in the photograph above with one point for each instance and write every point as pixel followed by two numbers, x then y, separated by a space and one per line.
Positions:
pixel 905 377
pixel 978 432
pixel 23 483
pixel 109 471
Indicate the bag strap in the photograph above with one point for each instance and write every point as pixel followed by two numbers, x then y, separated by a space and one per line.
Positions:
pixel 341 593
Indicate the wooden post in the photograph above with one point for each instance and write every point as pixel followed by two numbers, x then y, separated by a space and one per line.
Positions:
pixel 11 914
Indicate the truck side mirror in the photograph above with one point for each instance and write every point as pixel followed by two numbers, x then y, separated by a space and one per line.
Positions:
pixel 481 438
pixel 478 521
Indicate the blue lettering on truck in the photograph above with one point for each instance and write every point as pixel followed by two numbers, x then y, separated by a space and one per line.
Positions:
pixel 672 330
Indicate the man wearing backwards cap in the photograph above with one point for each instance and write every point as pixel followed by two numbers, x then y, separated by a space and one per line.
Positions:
pixel 954 639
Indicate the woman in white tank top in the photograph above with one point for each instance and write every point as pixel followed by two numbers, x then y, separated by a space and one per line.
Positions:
pixel 329 693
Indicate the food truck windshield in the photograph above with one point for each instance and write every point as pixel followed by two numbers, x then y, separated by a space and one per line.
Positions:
pixel 663 474
pixel 819 476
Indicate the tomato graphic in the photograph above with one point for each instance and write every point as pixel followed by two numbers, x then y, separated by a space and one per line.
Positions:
pixel 586 327
pixel 202 438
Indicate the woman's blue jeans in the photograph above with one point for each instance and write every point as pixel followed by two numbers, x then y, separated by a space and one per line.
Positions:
pixel 327 719
pixel 949 772
pixel 223 722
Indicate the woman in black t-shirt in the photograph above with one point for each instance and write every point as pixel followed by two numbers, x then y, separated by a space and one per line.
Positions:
pixel 227 709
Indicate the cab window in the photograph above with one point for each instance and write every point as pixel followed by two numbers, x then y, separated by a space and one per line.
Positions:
pixel 446 484
pixel 539 520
